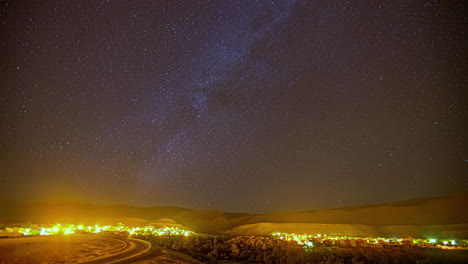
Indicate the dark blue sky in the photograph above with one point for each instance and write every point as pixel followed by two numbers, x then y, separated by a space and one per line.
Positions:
pixel 251 106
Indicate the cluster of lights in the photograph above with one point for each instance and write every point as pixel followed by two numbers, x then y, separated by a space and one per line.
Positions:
pixel 165 231
pixel 301 239
pixel 68 229
pixel 307 240
pixel 444 244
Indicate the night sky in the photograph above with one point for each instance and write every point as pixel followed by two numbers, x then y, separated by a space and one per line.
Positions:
pixel 252 106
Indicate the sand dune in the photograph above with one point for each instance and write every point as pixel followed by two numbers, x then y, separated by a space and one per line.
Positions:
pixel 443 216
pixel 305 228
pixel 429 211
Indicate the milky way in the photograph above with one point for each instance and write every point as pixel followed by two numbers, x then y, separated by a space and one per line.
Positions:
pixel 250 106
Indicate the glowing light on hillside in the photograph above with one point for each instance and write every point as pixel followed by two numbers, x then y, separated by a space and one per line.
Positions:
pixel 306 240
pixel 301 239
pixel 69 229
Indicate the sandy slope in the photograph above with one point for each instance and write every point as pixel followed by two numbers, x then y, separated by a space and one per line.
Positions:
pixel 306 228
pixel 416 231
pixel 431 211
pixel 446 216
pixel 165 256
pixel 58 249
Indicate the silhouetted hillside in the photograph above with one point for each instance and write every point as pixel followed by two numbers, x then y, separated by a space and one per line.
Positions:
pixel 447 216
pixel 425 211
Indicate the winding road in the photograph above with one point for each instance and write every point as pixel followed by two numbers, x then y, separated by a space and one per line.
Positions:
pixel 135 248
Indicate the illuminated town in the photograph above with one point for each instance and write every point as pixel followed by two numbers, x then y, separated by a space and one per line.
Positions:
pixel 234 132
pixel 307 241
pixel 69 229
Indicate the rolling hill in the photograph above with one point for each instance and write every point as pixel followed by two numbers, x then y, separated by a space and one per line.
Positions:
pixel 424 217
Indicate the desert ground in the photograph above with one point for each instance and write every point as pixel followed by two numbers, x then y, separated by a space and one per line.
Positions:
pixel 59 249
pixel 85 249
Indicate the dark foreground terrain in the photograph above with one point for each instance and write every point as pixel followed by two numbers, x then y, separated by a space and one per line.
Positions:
pixel 250 249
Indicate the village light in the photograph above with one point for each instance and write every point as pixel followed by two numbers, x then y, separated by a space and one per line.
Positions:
pixel 68 231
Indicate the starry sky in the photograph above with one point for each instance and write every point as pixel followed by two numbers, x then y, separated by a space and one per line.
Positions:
pixel 251 106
